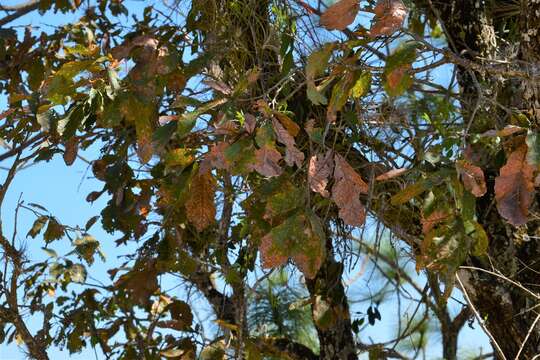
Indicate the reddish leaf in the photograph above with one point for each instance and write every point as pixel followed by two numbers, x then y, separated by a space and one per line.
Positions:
pixel 200 206
pixel 292 154
pixel 215 158
pixel 270 257
pixel 70 152
pixel 288 123
pixel 266 161
pixel 250 122
pixel 319 170
pixel 389 17
pixel 391 174
pixel 340 15
pixel 472 177
pixel 433 220
pixel 348 186
pixel 514 187
pixel 395 77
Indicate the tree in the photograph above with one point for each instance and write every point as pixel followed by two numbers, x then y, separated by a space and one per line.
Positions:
pixel 238 138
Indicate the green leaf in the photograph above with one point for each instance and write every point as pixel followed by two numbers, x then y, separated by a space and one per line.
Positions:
pixel 481 241
pixel 408 193
pixel 50 252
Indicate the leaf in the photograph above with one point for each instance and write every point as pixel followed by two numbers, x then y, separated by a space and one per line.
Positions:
pixel 391 174
pixel 435 218
pixel 215 158
pixel 481 242
pixel 141 282
pixel 38 225
pixel 71 149
pixel 250 122
pixel 348 186
pixel 408 193
pixel 514 187
pixel 319 170
pixel 266 161
pixel 398 80
pixel 288 123
pixel 181 316
pixel 472 177
pixel 270 256
pixel 77 273
pixel 341 93
pixel 340 15
pixel 292 154
pixel 200 205
pixel 389 17
pixel 54 231
pixel 315 66
pixel 362 85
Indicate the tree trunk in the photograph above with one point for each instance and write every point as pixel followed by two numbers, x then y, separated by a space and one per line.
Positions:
pixel 485 101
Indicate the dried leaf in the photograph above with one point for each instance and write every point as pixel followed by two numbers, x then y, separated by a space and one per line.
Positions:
pixel 288 123
pixel 398 80
pixel 348 186
pixel 319 170
pixel 250 122
pixel 391 174
pixel 472 177
pixel 514 187
pixel 266 161
pixel 200 205
pixel 215 158
pixel 270 257
pixel 340 15
pixel 71 149
pixel 292 154
pixel 389 17
pixel 219 86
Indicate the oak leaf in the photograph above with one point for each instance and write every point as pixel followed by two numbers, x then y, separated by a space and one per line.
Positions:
pixel 389 17
pixel 340 15
pixel 200 205
pixel 319 170
pixel 514 187
pixel 348 186
pixel 292 154
pixel 266 161
pixel 472 177
pixel 215 158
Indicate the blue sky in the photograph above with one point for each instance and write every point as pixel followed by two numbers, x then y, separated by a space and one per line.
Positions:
pixel 62 190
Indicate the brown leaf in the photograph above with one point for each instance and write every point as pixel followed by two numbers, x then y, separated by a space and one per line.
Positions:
pixel 472 177
pixel 200 205
pixel 433 220
pixel 394 77
pixel 250 122
pixel 215 158
pixel 266 161
pixel 319 170
pixel 348 186
pixel 219 86
pixel 288 123
pixel 340 15
pixel 141 282
pixel 391 174
pixel 292 154
pixel 270 257
pixel 514 187
pixel 162 120
pixel 389 17
pixel 71 149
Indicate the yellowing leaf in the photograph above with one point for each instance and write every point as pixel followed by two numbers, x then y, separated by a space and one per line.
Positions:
pixel 288 123
pixel 319 170
pixel 266 161
pixel 472 177
pixel 514 187
pixel 200 205
pixel 398 80
pixel 348 186
pixel 340 15
pixel 389 17
pixel 408 193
